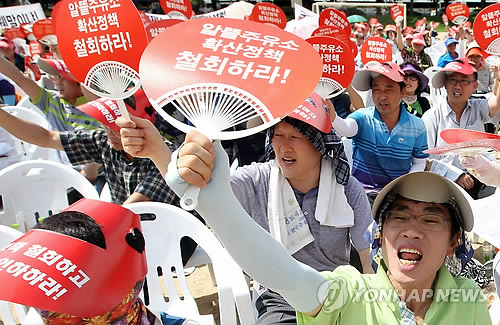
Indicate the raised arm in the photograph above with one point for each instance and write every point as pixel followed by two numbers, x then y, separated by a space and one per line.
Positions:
pixel 28 85
pixel 494 104
pixel 30 132
pixel 345 127
pixel 253 248
pixel 140 138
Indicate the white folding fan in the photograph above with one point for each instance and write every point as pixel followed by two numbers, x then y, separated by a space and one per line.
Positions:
pixel 216 103
pixel 113 80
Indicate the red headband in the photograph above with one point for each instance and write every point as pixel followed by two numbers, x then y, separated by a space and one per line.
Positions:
pixel 59 273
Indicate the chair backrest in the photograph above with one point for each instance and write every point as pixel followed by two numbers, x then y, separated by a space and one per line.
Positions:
pixel 7 235
pixel 28 150
pixel 437 94
pixel 25 102
pixel 163 235
pixel 38 188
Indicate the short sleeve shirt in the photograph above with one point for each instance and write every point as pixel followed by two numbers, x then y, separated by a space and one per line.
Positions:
pixel 123 176
pixel 357 298
pixel 380 155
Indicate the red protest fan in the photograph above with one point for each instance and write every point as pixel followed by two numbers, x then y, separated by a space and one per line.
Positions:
pixel 120 35
pixel 375 49
pixel 171 7
pixel 13 33
pixel 227 72
pixel 460 135
pixel 268 13
pixel 486 29
pixel 103 45
pixel 397 13
pixel 467 148
pixel 43 27
pixel 35 48
pixel 338 65
pixel 373 21
pixel 458 13
pixel 156 27
pixel 444 17
pixel 338 34
pixel 333 17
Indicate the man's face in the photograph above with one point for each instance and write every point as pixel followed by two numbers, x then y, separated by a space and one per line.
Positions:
pixel 386 95
pixel 458 93
pixel 452 48
pixel 414 251
pixel 69 90
pixel 418 48
pixel 476 59
pixel 359 39
pixel 114 139
pixel 299 160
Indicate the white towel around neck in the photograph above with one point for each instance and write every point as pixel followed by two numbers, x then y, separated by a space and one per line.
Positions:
pixel 287 222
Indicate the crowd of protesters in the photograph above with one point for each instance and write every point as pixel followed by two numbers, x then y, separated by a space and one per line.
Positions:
pixel 296 175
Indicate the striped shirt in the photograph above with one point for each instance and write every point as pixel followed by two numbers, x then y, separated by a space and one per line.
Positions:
pixel 380 155
pixel 62 115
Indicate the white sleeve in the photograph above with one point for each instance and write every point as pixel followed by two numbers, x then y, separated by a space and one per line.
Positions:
pixel 417 164
pixel 256 252
pixel 345 127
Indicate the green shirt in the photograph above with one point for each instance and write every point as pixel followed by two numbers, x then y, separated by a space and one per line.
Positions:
pixel 371 299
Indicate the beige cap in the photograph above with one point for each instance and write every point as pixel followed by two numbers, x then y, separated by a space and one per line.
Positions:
pixel 429 187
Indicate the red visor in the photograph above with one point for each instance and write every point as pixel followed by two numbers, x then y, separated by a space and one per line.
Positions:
pixel 106 110
pixel 63 274
pixel 312 112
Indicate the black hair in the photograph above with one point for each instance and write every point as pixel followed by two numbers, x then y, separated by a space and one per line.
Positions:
pixel 75 224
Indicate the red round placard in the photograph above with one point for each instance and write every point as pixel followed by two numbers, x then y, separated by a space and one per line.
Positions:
pixel 14 32
pixel 180 6
pixel 257 58
pixel 156 27
pixel 333 17
pixel 145 19
pixel 486 29
pixel 397 11
pixel 458 13
pixel 268 13
pixel 97 32
pixel 332 32
pixel 375 49
pixel 43 27
pixel 338 61
pixel 373 21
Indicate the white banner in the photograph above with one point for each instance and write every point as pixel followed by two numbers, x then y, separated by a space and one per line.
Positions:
pixel 16 15
pixel 301 12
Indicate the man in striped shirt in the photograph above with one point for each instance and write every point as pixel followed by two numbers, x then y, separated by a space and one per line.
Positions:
pixel 387 141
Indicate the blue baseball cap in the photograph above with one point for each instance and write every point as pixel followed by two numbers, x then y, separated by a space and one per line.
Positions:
pixel 450 40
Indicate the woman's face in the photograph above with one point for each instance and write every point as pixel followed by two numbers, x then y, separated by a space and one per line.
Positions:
pixel 412 83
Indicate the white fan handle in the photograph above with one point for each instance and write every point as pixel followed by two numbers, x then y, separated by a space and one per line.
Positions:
pixel 189 199
pixel 123 108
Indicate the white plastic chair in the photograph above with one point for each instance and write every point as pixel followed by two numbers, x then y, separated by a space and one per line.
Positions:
pixel 105 193
pixel 25 102
pixel 38 188
pixel 7 235
pixel 437 94
pixel 163 235
pixel 28 150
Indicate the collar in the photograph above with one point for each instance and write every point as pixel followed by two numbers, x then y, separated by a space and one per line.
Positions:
pixel 449 110
pixel 79 101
